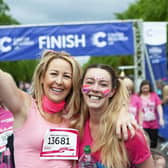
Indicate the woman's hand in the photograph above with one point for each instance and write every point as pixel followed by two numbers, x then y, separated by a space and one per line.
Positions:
pixel 126 121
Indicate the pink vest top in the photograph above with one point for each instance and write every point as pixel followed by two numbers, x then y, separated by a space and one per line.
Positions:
pixel 28 142
pixel 137 147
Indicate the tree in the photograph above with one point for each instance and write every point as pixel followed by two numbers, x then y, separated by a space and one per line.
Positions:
pixel 5 18
pixel 20 70
pixel 148 10
pixel 113 61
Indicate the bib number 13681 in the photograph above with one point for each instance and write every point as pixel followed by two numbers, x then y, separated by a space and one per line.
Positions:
pixel 59 140
pixel 60 143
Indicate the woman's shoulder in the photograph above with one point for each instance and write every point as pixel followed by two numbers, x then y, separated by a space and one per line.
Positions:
pixel 139 139
pixel 138 147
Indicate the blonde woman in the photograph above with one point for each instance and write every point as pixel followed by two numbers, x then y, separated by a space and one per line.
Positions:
pixel 54 100
pixel 135 105
pixel 103 96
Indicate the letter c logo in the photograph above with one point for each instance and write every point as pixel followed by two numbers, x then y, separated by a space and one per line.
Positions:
pixel 3 44
pixel 98 41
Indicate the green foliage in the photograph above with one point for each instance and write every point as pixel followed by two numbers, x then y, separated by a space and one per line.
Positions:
pixel 148 10
pixel 5 18
pixel 3 7
pixel 114 61
pixel 20 70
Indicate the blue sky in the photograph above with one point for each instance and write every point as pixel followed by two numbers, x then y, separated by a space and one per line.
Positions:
pixel 59 11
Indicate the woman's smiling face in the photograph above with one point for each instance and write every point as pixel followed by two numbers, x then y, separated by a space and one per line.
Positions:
pixel 57 81
pixel 97 88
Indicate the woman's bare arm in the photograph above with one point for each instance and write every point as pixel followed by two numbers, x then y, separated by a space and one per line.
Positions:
pixel 14 99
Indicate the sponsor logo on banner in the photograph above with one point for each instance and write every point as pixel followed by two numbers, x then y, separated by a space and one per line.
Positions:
pixel 8 44
pixel 102 39
pixel 155 39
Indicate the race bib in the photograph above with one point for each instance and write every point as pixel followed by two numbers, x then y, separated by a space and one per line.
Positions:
pixel 149 116
pixel 149 111
pixel 4 139
pixel 60 143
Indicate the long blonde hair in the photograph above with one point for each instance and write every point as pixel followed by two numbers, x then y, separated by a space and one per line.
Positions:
pixel 113 152
pixel 73 99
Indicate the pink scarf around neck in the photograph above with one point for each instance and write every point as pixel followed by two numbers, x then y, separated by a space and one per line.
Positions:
pixel 52 107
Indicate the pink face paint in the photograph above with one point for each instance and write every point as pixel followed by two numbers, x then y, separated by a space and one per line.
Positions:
pixel 106 92
pixel 86 88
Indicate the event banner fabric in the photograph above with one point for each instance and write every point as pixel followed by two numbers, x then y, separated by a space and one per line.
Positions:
pixel 155 40
pixel 98 39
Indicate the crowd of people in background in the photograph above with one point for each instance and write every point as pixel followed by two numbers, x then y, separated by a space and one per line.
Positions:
pixel 147 107
pixel 25 86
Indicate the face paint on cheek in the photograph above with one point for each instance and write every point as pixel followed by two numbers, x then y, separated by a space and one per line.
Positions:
pixel 106 92
pixel 86 88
